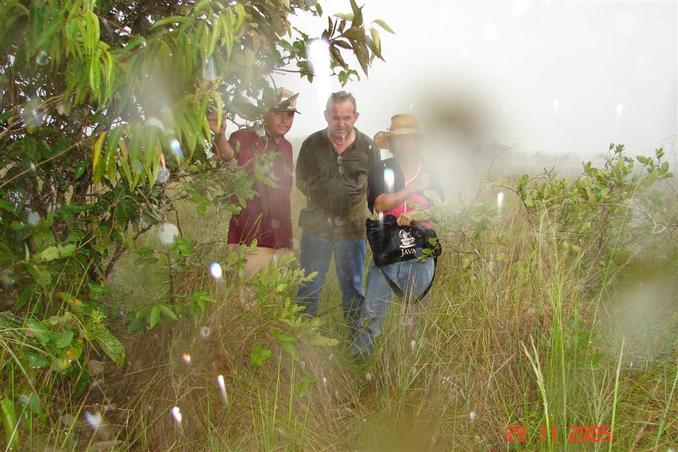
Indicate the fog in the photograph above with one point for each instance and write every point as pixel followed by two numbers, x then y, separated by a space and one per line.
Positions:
pixel 544 76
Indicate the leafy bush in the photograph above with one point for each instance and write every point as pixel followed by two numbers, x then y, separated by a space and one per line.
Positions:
pixel 103 114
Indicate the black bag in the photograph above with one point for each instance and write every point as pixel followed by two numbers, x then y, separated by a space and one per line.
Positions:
pixel 392 243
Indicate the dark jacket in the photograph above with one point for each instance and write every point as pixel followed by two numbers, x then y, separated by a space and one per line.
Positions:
pixel 335 185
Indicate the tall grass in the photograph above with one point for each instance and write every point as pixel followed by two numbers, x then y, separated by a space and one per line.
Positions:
pixel 519 330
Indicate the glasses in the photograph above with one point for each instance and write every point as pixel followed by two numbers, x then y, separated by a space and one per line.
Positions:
pixel 340 165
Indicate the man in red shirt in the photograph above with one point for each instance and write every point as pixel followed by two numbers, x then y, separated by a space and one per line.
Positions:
pixel 266 218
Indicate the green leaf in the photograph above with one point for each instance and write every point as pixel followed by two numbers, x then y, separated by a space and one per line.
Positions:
pixel 80 169
pixel 384 25
pixel 357 20
pixel 36 361
pixel 282 337
pixel 49 254
pixel 168 312
pixel 37 330
pixel 95 74
pixel 154 316
pixel 259 355
pixel 182 246
pixel 322 341
pixel 304 385
pixel 9 422
pixel 7 206
pixel 110 345
pixel 97 165
pixel 171 20
pixel 344 16
pixel 596 358
pixel 66 250
pixel 75 350
pixel 33 405
pixel 75 304
pixel 63 339
pixel 290 348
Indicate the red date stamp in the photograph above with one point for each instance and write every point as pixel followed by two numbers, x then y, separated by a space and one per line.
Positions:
pixel 517 434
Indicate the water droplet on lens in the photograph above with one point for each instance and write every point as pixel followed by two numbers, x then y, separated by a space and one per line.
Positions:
pixel 389 179
pixel 175 146
pixel 209 71
pixel 32 218
pixel 163 175
pixel 215 270
pixel 318 53
pixel 176 414
pixel 33 114
pixel 66 419
pixel 500 201
pixel 222 388
pixel 167 233
pixel 620 109
pixel 42 58
pixel 95 420
pixel 7 278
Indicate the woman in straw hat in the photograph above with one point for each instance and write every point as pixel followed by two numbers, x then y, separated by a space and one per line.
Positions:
pixel 401 187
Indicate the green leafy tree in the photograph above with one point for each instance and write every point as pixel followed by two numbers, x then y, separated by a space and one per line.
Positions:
pixel 97 98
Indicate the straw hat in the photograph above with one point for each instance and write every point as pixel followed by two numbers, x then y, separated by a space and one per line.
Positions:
pixel 286 101
pixel 401 124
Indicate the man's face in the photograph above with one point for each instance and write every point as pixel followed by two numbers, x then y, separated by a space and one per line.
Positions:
pixel 278 123
pixel 340 118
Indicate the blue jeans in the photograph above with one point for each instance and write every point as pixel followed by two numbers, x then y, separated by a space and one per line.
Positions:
pixel 412 277
pixel 349 260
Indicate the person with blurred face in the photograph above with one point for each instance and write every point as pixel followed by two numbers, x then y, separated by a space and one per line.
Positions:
pixel 267 217
pixel 332 170
pixel 400 187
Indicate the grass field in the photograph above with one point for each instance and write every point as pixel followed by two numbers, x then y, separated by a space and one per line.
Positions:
pixel 532 324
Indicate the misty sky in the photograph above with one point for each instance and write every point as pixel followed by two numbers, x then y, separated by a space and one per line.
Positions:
pixel 552 76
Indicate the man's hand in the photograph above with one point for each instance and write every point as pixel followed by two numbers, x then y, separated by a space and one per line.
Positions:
pixel 404 220
pixel 223 149
pixel 212 118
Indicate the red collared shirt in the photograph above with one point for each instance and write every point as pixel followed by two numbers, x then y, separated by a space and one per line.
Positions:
pixel 267 217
